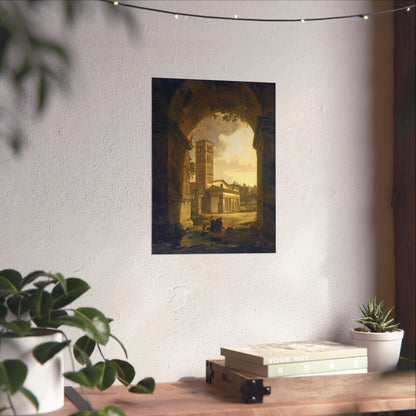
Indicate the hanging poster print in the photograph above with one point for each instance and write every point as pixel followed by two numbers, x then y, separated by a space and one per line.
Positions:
pixel 213 167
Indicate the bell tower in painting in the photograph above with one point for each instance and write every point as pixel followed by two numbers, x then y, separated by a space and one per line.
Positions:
pixel 204 166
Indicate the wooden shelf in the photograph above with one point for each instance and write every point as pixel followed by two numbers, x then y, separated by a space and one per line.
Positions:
pixel 296 396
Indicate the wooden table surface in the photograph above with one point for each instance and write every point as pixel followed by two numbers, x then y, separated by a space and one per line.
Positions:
pixel 198 398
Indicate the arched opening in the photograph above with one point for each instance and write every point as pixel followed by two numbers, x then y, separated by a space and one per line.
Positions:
pixel 223 171
pixel 212 142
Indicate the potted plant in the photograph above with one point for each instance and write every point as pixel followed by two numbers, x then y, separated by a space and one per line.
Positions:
pixel 380 335
pixel 34 311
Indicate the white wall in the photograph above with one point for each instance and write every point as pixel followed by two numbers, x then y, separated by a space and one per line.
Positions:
pixel 79 198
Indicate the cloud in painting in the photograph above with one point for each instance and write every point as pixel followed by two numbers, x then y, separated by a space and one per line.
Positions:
pixel 238 161
pixel 211 127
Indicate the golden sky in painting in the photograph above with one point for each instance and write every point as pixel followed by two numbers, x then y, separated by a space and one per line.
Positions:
pixel 234 155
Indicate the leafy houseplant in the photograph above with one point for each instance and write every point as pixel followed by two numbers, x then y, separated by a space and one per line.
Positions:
pixel 40 302
pixel 381 335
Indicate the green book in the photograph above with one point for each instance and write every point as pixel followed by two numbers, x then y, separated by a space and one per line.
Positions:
pixel 338 365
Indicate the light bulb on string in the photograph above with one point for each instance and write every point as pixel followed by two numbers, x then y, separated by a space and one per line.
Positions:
pixel 248 19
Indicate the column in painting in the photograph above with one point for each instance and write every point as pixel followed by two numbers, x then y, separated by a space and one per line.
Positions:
pixel 264 143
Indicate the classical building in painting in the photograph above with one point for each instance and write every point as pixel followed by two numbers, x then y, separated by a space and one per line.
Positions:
pixel 218 198
pixel 211 196
pixel 222 198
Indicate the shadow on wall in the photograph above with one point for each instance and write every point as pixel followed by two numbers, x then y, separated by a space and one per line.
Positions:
pixel 382 147
pixel 371 265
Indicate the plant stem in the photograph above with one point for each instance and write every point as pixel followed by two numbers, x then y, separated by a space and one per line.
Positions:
pixel 19 310
pixel 11 404
pixel 73 369
pixel 101 353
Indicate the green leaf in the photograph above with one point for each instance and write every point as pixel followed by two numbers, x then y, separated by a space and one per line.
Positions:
pixel 30 396
pixel 55 316
pixel 43 284
pixel 54 277
pixel 98 328
pixel 105 411
pixel 88 376
pixel 7 287
pixel 145 386
pixel 18 327
pixel 108 374
pixel 75 321
pixel 83 413
pixel 125 371
pixel 110 411
pixel 18 305
pixel 62 281
pixel 45 351
pixel 3 312
pixel 31 277
pixel 75 288
pixel 12 375
pixel 83 349
pixel 82 356
pixel 40 304
pixel 13 276
pixel 89 320
pixel 389 312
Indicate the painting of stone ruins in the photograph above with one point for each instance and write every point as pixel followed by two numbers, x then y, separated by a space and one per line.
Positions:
pixel 213 167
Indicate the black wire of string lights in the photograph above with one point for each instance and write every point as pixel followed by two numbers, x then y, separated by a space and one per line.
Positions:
pixel 364 16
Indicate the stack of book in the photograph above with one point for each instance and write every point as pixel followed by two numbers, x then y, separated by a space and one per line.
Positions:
pixel 296 359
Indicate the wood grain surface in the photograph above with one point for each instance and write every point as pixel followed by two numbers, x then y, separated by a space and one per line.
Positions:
pixel 299 396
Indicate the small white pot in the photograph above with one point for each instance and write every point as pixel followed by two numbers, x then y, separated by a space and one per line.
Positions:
pixel 383 348
pixel 44 381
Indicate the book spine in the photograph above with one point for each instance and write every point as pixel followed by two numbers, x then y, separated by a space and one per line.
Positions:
pixel 313 367
pixel 314 356
pixel 309 367
pixel 333 373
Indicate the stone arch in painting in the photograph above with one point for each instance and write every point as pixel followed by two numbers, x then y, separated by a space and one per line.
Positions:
pixel 177 107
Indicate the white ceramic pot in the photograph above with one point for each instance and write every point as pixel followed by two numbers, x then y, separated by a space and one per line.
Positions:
pixel 383 348
pixel 44 381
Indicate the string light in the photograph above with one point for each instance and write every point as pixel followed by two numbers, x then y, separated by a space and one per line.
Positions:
pixel 248 19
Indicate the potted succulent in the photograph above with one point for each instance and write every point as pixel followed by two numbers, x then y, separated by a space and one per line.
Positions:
pixel 34 310
pixel 380 335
